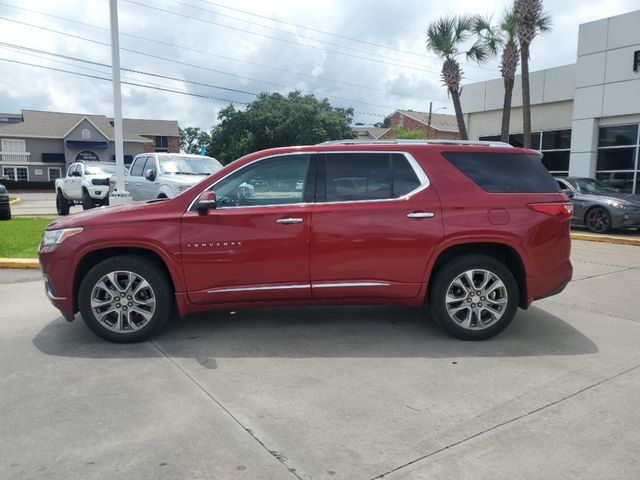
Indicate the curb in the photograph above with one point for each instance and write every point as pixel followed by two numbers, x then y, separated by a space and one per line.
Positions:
pixel 15 201
pixel 19 263
pixel 606 239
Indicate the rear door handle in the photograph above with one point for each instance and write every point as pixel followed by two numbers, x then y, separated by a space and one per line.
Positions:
pixel 420 214
pixel 290 220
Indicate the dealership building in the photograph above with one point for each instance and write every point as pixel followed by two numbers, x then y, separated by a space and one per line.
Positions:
pixel 36 147
pixel 585 117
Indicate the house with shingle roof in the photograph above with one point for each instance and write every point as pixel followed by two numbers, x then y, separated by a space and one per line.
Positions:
pixel 443 126
pixel 36 146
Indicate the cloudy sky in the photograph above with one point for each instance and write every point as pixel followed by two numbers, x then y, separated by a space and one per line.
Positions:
pixel 365 54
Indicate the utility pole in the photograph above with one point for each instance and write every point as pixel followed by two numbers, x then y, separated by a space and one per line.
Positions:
pixel 120 195
pixel 429 123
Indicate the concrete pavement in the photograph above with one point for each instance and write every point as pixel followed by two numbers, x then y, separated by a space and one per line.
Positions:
pixel 331 392
pixel 38 203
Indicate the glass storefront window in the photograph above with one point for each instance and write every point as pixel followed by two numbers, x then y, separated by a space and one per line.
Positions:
pixel 618 135
pixel 618 163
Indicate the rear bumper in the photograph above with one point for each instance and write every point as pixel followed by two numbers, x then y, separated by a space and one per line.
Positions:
pixel 550 283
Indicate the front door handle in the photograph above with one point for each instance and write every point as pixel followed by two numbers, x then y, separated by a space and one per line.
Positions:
pixel 420 214
pixel 290 220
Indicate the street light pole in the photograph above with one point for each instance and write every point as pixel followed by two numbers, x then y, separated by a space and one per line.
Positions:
pixel 120 195
pixel 430 113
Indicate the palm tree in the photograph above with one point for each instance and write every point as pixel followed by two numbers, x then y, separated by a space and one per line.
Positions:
pixel 446 37
pixel 508 65
pixel 530 15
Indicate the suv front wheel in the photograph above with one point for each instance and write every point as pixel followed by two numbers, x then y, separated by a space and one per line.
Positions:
pixel 474 297
pixel 125 299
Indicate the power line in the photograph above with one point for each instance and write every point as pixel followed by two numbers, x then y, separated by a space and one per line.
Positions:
pixel 169 90
pixel 325 42
pixel 324 32
pixel 61 62
pixel 203 52
pixel 105 65
pixel 164 89
pixel 198 19
pixel 193 65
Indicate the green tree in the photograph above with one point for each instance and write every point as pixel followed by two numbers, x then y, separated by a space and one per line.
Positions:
pixel 274 120
pixel 192 139
pixel 530 15
pixel 449 37
pixel 386 123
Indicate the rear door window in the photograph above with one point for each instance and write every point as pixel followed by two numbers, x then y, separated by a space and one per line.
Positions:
pixel 504 172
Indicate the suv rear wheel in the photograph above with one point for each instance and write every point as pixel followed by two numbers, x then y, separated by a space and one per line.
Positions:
pixel 125 299
pixel 474 297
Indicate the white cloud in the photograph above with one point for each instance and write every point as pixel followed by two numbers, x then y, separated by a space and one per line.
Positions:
pixel 307 68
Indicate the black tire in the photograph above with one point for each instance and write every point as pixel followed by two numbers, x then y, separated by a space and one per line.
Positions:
pixel 161 292
pixel 62 204
pixel 87 202
pixel 598 220
pixel 6 215
pixel 504 301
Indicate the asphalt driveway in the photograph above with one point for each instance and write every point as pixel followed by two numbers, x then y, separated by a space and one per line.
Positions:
pixel 330 392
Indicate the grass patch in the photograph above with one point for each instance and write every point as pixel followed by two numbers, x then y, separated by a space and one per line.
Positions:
pixel 20 237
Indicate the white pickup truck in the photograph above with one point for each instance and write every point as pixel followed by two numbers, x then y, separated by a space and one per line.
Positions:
pixel 166 175
pixel 87 184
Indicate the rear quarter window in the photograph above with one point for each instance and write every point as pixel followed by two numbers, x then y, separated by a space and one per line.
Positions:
pixel 504 172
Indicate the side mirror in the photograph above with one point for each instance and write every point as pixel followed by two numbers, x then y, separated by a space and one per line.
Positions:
pixel 150 174
pixel 569 193
pixel 206 201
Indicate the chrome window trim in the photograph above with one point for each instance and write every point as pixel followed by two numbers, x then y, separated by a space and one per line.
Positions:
pixel 420 173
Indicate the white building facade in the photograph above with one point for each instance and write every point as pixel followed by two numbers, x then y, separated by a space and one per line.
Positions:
pixel 585 116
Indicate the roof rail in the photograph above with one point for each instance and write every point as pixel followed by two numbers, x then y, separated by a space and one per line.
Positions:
pixel 400 141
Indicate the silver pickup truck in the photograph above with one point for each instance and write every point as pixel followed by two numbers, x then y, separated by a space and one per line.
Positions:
pixel 166 175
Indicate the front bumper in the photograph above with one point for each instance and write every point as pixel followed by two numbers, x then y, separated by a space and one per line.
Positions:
pixel 58 277
pixel 99 192
pixel 626 219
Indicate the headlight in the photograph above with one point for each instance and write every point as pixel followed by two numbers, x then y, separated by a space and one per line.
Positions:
pixel 181 188
pixel 615 204
pixel 53 237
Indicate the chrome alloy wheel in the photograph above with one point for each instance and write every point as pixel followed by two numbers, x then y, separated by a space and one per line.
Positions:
pixel 476 299
pixel 123 301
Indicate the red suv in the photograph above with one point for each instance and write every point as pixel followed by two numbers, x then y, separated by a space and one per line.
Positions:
pixel 470 230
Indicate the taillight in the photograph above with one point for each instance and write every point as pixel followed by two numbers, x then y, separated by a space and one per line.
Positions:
pixel 560 210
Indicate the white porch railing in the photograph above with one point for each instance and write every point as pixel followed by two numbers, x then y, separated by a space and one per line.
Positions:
pixel 15 157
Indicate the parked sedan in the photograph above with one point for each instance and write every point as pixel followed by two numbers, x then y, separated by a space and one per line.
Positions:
pixel 5 208
pixel 600 207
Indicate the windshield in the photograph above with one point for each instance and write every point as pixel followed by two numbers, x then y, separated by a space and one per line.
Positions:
pixel 591 186
pixel 188 165
pixel 99 169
